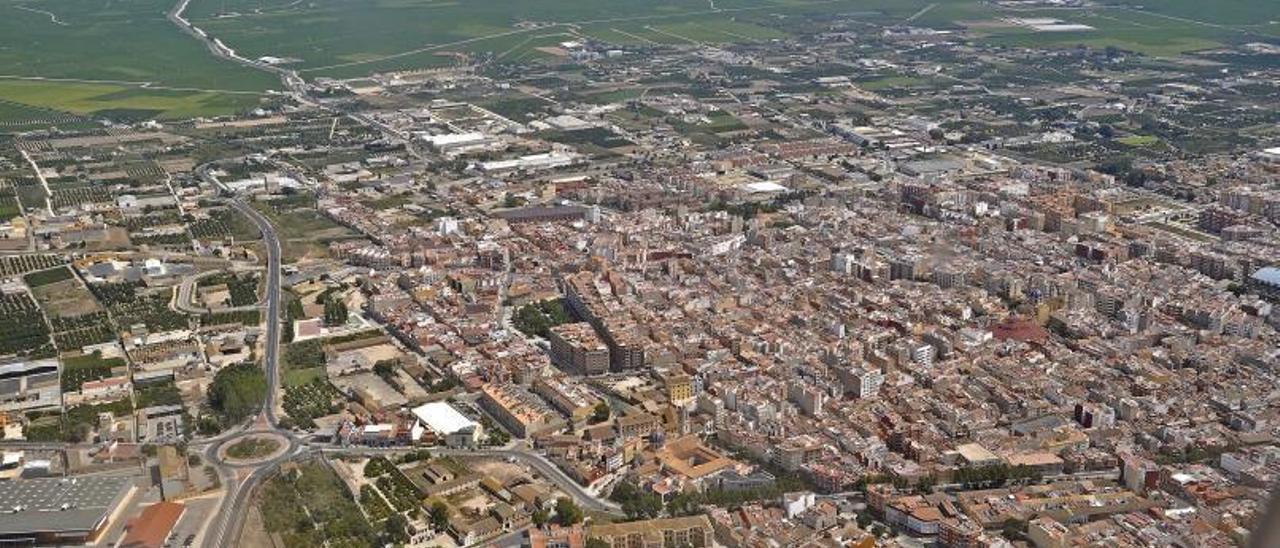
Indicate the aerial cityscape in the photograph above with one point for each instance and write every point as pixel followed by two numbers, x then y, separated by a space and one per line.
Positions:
pixel 639 274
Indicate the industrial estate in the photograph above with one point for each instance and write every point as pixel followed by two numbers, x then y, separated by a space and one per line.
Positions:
pixel 594 273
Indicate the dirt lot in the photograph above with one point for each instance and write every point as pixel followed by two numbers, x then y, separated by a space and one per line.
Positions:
pixel 65 299
pixel 498 469
pixel 471 500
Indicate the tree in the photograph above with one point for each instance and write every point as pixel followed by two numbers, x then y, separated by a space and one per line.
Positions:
pixel 637 503
pixel 415 456
pixel 925 485
pixel 567 512
pixel 335 312
pixel 386 369
pixel 439 515
pixel 237 391
pixel 864 520
pixel 538 318
pixel 1119 167
pixel 396 529
pixel 497 436
pixel 684 504
pixel 208 425
pixel 601 413
pixel 513 201
pixel 1013 529
pixel 597 543
pixel 540 517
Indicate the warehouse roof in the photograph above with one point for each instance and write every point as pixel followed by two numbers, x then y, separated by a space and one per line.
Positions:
pixel 1269 275
pixel 59 504
pixel 442 418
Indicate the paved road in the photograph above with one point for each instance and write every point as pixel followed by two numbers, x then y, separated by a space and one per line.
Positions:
pixel 184 300
pixel 224 530
pixel 271 347
pixel 234 506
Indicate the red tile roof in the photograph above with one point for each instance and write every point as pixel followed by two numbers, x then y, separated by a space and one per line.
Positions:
pixel 152 526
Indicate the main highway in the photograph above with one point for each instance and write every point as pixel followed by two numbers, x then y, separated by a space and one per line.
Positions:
pixel 229 518
pixel 271 346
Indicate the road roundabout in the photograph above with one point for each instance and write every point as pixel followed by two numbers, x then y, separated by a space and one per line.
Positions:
pixel 253 448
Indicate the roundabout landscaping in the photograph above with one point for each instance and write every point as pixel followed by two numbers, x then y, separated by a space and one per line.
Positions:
pixel 253 448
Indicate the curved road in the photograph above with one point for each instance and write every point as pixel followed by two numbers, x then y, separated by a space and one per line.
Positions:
pixel 225 528
pixel 271 348
pixel 184 299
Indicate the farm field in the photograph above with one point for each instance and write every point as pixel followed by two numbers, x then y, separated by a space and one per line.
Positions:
pixel 31 102
pixel 308 401
pixel 23 330
pixel 12 265
pixel 159 72
pixel 333 38
pixel 1125 29
pixel 1161 28
pixel 314 507
pixel 120 44
pixel 76 370
pixel 60 294
pixel 1139 140
pixel 19 116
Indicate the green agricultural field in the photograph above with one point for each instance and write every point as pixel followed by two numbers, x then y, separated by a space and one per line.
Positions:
pixel 79 369
pixel 299 377
pixel 18 116
pixel 1139 140
pixel 1160 28
pixel 125 60
pixel 118 45
pixel 126 41
pixel 9 206
pixel 345 39
pixel 1128 30
pixel 28 101
pixel 1240 13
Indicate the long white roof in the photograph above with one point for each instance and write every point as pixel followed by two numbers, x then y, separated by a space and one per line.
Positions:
pixel 442 418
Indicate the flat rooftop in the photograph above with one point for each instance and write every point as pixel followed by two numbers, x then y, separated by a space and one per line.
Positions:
pixel 442 418
pixel 59 504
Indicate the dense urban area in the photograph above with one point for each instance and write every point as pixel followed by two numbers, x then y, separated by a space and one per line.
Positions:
pixel 996 275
